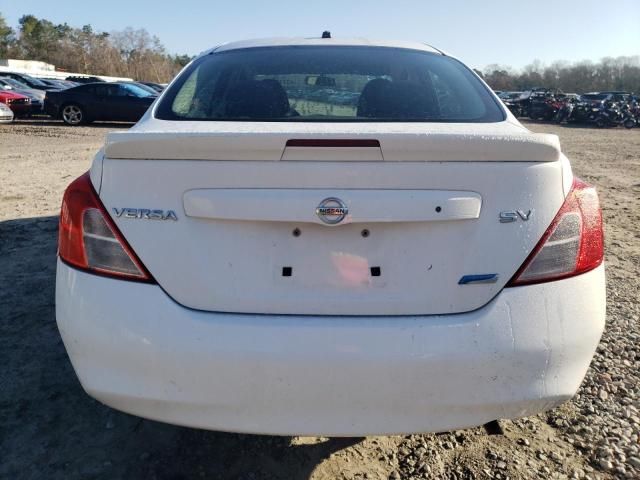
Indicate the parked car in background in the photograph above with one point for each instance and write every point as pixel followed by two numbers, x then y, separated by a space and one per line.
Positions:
pixel 611 115
pixel 510 95
pixel 156 86
pixel 19 104
pixel 6 114
pixel 596 98
pixel 545 103
pixel 30 81
pixel 144 86
pixel 118 101
pixel 36 96
pixel 618 96
pixel 588 106
pixel 259 255
pixel 61 84
pixel 84 79
pixel 512 101
pixel 524 101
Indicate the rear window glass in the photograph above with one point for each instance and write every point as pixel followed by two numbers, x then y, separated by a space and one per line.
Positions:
pixel 315 83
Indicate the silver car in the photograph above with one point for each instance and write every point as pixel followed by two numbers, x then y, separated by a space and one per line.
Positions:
pixel 36 96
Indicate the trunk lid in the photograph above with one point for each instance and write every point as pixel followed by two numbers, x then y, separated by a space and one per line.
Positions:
pixel 421 232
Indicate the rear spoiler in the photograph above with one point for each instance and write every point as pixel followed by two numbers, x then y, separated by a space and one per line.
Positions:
pixel 270 141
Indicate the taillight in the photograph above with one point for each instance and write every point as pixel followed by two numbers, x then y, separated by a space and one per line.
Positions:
pixel 88 239
pixel 573 244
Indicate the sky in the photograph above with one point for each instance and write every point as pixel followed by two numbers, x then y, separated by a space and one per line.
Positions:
pixel 505 32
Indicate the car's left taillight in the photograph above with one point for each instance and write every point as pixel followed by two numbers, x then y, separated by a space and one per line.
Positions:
pixel 89 240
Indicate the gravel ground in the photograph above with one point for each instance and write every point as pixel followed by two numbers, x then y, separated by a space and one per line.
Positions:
pixel 49 428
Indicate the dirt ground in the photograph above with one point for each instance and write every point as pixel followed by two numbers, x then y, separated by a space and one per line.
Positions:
pixel 50 429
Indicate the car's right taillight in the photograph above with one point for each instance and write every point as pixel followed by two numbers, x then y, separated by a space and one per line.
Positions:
pixel 89 240
pixel 573 243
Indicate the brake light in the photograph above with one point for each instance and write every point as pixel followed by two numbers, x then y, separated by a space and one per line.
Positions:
pixel 88 239
pixel 573 243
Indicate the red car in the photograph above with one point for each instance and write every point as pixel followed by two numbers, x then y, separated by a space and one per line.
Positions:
pixel 20 104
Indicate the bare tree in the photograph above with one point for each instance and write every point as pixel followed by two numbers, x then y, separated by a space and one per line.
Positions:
pixel 130 52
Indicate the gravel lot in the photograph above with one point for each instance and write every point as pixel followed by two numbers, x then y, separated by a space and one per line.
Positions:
pixel 49 428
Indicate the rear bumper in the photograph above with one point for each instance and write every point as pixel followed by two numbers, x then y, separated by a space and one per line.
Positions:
pixel 136 350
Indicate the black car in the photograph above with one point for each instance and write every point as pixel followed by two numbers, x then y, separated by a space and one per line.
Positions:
pixel 119 101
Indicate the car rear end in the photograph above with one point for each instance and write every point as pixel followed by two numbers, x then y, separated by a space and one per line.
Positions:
pixel 330 238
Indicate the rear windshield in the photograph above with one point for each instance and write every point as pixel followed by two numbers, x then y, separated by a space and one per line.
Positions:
pixel 316 83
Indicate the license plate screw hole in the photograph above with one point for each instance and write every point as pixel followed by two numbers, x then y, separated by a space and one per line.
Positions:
pixel 296 232
pixel 287 271
pixel 375 271
pixel 365 233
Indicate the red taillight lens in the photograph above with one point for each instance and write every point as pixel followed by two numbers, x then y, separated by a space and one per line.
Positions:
pixel 573 244
pixel 88 238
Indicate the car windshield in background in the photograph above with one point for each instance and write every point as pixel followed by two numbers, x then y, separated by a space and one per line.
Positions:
pixel 13 82
pixel 37 82
pixel 316 83
pixel 137 91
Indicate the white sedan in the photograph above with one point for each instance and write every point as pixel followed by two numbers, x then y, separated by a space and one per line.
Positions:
pixel 330 237
pixel 6 114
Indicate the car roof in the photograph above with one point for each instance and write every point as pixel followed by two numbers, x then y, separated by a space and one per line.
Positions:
pixel 101 83
pixel 316 41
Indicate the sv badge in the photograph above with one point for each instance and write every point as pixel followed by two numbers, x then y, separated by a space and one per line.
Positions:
pixel 509 216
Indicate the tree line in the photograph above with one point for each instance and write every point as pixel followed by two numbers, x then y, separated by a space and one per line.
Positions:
pixel 130 52
pixel 616 74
